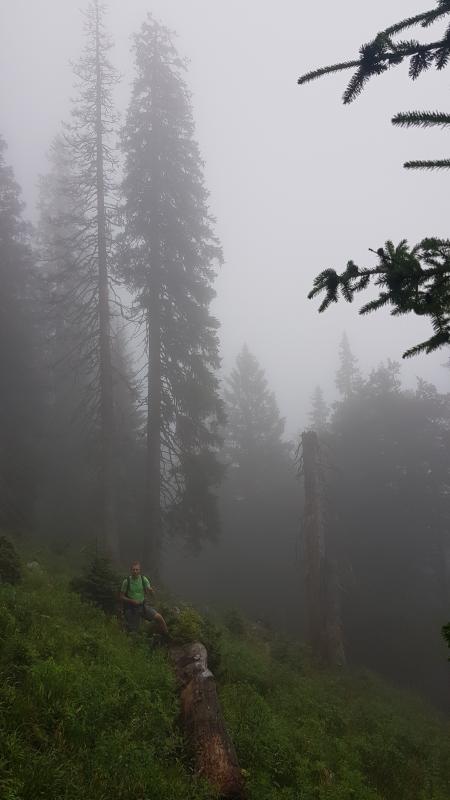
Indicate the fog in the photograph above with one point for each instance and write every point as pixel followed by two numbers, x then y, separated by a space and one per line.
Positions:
pixel 190 432
pixel 297 181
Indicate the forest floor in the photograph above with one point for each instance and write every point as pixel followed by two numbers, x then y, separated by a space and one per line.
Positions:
pixel 86 712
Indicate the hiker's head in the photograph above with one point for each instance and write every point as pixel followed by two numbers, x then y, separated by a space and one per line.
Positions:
pixel 135 569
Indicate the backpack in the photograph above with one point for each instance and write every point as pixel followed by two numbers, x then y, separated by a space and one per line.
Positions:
pixel 127 593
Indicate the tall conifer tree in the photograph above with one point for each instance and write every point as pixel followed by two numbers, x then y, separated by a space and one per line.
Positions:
pixel 319 413
pixel 348 376
pixel 82 232
pixel 19 417
pixel 255 427
pixel 168 252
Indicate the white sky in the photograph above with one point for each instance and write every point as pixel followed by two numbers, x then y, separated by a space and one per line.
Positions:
pixel 298 182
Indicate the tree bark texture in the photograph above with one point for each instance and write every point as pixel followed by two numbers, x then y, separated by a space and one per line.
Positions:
pixel 321 581
pixel 152 540
pixel 214 751
pixel 106 380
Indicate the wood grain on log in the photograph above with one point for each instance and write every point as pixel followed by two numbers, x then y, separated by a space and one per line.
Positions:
pixel 202 717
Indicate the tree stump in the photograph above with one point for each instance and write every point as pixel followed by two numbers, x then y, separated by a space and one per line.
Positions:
pixel 213 749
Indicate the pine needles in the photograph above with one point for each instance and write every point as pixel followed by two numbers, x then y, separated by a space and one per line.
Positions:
pixel 409 279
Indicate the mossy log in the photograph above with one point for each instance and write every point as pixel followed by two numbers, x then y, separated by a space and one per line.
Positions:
pixel 213 749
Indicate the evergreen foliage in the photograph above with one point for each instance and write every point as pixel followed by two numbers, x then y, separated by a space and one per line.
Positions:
pixel 255 427
pixel 21 422
pixel 10 567
pixel 383 52
pixel 78 244
pixel 69 497
pixel 259 499
pixel 389 526
pixel 446 634
pixel 348 376
pixel 411 279
pixel 318 416
pixel 99 585
pixel 167 257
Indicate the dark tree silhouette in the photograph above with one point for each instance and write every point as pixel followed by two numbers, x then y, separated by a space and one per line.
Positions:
pixel 254 430
pixel 168 253
pixel 348 376
pixel 318 416
pixel 20 420
pixel 81 244
pixel 390 500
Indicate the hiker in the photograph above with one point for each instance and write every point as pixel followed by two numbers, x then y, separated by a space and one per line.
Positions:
pixel 133 592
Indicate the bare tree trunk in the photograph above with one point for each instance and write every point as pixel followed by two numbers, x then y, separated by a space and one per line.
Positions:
pixel 106 380
pixel 322 588
pixel 215 756
pixel 152 544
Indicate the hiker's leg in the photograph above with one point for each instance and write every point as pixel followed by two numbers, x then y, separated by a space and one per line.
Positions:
pixel 152 615
pixel 161 623
pixel 132 618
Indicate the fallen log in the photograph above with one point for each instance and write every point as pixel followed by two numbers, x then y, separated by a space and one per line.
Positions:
pixel 203 721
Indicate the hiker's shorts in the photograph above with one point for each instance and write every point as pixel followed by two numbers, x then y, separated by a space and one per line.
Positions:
pixel 134 614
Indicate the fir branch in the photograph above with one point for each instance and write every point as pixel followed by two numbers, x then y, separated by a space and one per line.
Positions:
pixel 373 305
pixel 430 165
pixel 420 62
pixel 317 73
pixel 424 19
pixel 421 119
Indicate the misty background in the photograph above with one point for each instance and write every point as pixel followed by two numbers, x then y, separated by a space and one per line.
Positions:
pixel 297 181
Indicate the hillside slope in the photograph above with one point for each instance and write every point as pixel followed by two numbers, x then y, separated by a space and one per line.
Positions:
pixel 85 712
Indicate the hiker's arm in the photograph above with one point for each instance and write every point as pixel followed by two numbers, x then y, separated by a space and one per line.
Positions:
pixel 129 600
pixel 150 590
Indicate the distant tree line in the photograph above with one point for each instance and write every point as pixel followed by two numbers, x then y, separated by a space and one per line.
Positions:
pixel 385 457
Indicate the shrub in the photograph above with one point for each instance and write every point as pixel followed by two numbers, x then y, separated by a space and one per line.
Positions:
pixel 10 568
pixel 446 633
pixel 99 585
pixel 186 625
pixel 234 621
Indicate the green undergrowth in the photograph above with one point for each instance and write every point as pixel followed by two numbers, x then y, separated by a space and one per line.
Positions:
pixel 87 712
pixel 302 733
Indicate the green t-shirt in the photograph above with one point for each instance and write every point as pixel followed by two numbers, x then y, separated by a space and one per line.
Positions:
pixel 136 591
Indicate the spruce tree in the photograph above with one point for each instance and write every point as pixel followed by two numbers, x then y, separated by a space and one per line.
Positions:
pixel 253 441
pixel 82 236
pixel 20 418
pixel 348 376
pixel 260 497
pixel 318 416
pixel 71 499
pixel 168 253
pixel 72 430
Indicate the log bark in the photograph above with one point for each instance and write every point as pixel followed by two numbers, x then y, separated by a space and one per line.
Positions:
pixel 202 717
